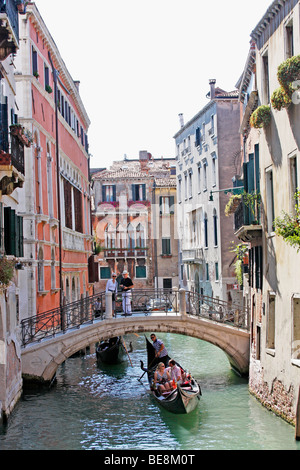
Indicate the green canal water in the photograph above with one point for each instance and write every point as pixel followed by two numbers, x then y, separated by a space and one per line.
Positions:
pixel 94 407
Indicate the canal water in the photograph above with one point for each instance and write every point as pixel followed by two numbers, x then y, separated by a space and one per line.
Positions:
pixel 96 407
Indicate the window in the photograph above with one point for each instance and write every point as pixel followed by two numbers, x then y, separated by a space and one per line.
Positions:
pixel 271 321
pixel 266 79
pixel 197 137
pixel 130 237
pixel 204 175
pixel 141 272
pixel 109 193
pixel 205 231
pixel 179 188
pixel 166 205
pixel 185 185
pixel 214 175
pixel 40 271
pixel 289 40
pixel 53 278
pixel 46 73
pixel 190 183
pixel 296 327
pixel 293 183
pixel 35 63
pixel 139 192
pixel 217 271
pixel 105 272
pixel 270 201
pixel 13 233
pixel 167 283
pixel 215 218
pixel 110 237
pixel 207 271
pixel 199 178
pixel 166 246
pixel 140 236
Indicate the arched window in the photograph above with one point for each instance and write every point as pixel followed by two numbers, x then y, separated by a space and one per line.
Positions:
pixel 110 237
pixel 130 237
pixel 140 236
pixel 121 236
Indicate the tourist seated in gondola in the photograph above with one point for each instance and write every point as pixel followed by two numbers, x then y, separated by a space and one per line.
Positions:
pixel 175 372
pixel 162 379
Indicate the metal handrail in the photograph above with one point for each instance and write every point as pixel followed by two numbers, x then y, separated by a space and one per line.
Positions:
pixel 143 302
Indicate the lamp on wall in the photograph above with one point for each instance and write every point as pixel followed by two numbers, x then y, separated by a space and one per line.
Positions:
pixel 237 190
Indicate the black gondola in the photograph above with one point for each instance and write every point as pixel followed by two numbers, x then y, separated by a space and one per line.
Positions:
pixel 183 399
pixel 111 351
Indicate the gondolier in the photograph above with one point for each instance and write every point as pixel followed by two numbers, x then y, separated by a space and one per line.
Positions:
pixel 161 354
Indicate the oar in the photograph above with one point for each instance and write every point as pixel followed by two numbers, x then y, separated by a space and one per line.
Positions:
pixel 127 352
pixel 147 369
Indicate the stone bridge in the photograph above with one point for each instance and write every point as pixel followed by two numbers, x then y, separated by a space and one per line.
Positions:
pixel 40 359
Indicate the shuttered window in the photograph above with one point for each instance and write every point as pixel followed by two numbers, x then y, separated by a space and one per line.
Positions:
pixel 13 233
pixel 139 192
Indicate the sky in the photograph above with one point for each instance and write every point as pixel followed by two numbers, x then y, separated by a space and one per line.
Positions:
pixel 142 63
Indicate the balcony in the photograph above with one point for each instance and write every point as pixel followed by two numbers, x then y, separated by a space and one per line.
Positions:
pixel 9 27
pixel 247 225
pixel 193 255
pixel 110 253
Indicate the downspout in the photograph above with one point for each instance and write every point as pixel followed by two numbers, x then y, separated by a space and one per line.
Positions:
pixel 55 75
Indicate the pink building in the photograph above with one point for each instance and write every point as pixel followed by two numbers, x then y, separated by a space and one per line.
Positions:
pixel 55 200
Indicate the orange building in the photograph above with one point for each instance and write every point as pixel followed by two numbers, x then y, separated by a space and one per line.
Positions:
pixel 55 200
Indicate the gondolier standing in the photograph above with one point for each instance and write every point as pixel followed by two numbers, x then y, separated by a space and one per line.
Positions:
pixel 126 285
pixel 161 354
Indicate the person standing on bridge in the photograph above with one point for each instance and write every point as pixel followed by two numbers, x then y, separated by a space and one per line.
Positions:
pixel 112 286
pixel 161 354
pixel 126 285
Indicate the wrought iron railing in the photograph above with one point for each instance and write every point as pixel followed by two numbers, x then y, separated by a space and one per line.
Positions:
pixel 217 310
pixel 140 302
pixel 10 8
pixel 59 320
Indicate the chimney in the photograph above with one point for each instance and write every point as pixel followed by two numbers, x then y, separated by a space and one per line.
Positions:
pixel 181 120
pixel 212 83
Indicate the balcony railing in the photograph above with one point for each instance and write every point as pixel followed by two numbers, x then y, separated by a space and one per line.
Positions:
pixel 247 221
pixel 125 252
pixel 9 9
pixel 193 255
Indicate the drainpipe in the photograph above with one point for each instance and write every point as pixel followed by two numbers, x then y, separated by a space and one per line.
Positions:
pixel 154 214
pixel 55 75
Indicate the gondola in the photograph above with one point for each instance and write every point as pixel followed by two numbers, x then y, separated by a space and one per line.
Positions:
pixel 111 351
pixel 183 399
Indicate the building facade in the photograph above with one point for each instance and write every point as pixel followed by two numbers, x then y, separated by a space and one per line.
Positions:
pixel 133 200
pixel 55 199
pixel 207 148
pixel 271 167
pixel 12 177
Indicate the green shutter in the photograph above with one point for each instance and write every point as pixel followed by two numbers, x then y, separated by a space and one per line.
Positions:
pixel 10 231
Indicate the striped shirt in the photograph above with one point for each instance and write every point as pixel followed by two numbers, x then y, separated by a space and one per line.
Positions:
pixel 157 345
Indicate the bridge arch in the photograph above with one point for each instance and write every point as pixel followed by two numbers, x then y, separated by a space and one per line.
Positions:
pixel 40 361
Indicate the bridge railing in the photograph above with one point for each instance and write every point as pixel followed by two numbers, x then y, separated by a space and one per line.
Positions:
pixel 59 320
pixel 142 302
pixel 217 310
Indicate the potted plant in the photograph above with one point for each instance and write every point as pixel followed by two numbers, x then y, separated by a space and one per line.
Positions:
pixel 261 117
pixel 48 89
pixel 288 72
pixel 233 204
pixel 241 250
pixel 288 226
pixel 7 267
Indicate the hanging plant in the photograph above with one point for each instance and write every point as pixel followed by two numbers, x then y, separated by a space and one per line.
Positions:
pixel 261 117
pixel 232 204
pixel 288 226
pixel 281 98
pixel 289 72
pixel 241 250
pixel 7 267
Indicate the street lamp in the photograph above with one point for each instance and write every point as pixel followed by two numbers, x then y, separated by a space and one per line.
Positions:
pixel 237 190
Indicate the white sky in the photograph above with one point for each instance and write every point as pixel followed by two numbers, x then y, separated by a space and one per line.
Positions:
pixel 141 63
